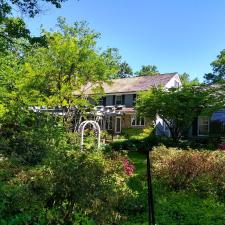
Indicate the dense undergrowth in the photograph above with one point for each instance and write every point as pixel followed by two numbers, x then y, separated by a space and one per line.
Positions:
pixel 189 187
pixel 51 181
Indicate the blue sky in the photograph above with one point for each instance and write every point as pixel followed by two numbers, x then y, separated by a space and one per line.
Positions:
pixel 175 35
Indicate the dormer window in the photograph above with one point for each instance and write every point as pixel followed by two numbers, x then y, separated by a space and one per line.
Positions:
pixel 119 100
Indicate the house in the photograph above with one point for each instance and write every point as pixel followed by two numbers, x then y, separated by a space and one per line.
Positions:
pixel 115 111
pixel 205 126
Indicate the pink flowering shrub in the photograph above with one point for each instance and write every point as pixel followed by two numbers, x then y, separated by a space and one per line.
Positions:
pixel 129 168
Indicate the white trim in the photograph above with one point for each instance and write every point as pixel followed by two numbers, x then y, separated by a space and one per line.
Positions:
pixel 203 135
pixel 118 117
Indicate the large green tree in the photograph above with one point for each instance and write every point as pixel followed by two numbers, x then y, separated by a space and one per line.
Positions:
pixel 57 74
pixel 178 107
pixel 13 29
pixel 29 7
pixel 148 70
pixel 218 70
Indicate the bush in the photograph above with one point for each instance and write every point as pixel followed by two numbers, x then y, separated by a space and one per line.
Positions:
pixel 132 144
pixel 31 137
pixel 200 171
pixel 132 133
pixel 70 182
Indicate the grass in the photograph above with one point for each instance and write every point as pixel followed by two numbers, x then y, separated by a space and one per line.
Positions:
pixel 139 161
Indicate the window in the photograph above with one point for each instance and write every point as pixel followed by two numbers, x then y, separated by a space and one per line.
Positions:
pixel 134 99
pixel 176 84
pixel 137 121
pixel 118 99
pixel 108 123
pixel 203 126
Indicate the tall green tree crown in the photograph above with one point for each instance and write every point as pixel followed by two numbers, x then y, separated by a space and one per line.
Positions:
pixel 218 67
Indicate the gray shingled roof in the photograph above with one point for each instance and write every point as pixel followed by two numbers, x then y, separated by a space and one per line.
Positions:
pixel 133 84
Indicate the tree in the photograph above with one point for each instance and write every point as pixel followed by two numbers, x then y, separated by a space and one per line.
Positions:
pixel 29 7
pixel 186 81
pixel 179 107
pixel 12 29
pixel 148 70
pixel 218 67
pixel 55 76
pixel 125 70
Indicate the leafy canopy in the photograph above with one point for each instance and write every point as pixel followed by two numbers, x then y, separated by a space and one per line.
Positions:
pixel 186 81
pixel 12 28
pixel 125 70
pixel 218 67
pixel 29 7
pixel 178 107
pixel 50 76
pixel 148 70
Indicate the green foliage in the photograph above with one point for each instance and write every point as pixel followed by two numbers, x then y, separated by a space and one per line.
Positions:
pixel 218 74
pixel 185 208
pixel 131 133
pixel 189 205
pixel 48 82
pixel 29 136
pixel 198 171
pixel 179 107
pixel 29 7
pixel 125 70
pixel 132 145
pixel 139 161
pixel 186 81
pixel 149 70
pixel 68 183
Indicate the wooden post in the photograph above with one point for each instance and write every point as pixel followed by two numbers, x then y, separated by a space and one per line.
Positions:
pixel 151 212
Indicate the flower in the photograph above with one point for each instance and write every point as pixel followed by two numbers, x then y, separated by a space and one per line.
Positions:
pixel 128 167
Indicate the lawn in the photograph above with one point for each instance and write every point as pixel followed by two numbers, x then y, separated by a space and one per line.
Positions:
pixel 139 161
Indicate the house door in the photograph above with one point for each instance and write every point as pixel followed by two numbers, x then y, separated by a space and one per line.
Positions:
pixel 118 125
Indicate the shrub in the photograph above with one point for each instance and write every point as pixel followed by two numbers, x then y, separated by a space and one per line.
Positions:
pixel 200 171
pixel 70 182
pixel 31 137
pixel 132 133
pixel 132 145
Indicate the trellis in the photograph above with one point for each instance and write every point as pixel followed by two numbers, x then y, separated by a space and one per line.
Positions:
pixel 96 128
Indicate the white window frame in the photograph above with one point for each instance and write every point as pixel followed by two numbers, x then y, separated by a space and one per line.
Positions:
pixel 121 100
pixel 134 117
pixel 203 135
